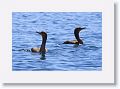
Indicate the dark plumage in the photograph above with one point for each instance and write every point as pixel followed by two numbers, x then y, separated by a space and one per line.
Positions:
pixel 42 49
pixel 78 40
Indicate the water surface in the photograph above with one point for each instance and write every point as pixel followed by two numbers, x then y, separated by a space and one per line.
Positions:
pixel 59 27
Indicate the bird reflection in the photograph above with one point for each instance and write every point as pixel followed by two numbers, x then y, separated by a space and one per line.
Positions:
pixel 42 56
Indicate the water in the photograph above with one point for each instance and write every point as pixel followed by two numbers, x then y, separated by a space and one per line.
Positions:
pixel 59 27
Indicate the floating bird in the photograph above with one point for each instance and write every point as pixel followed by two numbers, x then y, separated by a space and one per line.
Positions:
pixel 78 40
pixel 42 49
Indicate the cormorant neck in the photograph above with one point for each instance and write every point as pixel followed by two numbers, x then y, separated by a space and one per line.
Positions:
pixel 77 37
pixel 42 48
pixel 43 40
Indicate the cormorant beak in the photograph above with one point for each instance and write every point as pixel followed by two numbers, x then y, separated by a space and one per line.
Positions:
pixel 83 28
pixel 39 33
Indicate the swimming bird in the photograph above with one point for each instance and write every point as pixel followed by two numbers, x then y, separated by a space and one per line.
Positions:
pixel 78 40
pixel 42 49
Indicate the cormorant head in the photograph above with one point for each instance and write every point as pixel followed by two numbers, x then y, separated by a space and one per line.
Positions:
pixel 78 29
pixel 43 34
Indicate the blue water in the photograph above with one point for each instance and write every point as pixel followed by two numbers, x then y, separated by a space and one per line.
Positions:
pixel 59 27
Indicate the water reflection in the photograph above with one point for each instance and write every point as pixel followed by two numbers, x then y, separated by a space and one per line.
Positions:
pixel 42 56
pixel 75 45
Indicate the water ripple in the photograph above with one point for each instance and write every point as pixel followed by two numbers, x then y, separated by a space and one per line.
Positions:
pixel 59 27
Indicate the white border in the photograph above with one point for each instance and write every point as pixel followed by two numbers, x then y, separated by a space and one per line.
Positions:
pixel 104 76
